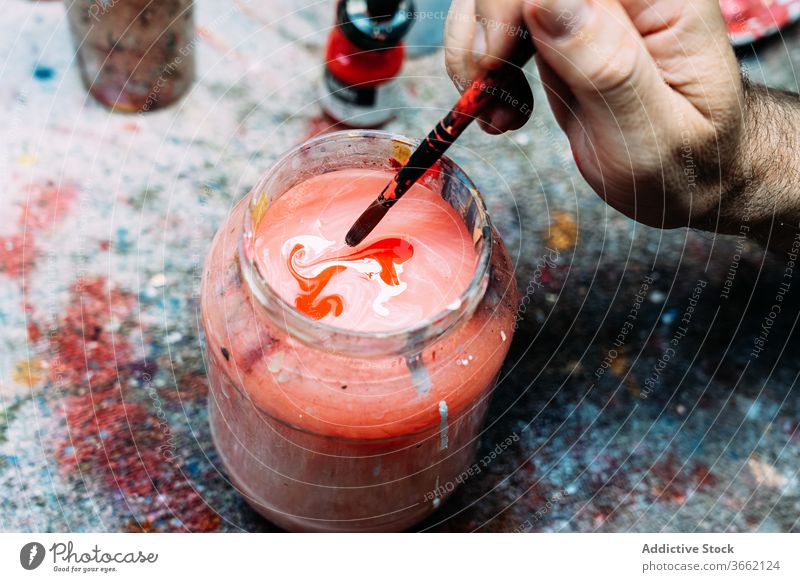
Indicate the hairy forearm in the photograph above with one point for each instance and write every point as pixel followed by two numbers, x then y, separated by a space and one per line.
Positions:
pixel 762 198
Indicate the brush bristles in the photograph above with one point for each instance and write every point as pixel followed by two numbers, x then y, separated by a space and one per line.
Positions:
pixel 366 223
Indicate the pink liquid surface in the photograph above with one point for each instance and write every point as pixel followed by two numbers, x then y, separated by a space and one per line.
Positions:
pixel 414 265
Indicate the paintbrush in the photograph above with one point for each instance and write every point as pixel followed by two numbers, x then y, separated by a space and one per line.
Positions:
pixel 471 104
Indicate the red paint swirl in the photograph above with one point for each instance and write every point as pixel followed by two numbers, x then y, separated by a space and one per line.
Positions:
pixel 387 252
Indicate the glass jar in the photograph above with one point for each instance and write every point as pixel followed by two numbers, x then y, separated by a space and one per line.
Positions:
pixel 326 429
pixel 134 55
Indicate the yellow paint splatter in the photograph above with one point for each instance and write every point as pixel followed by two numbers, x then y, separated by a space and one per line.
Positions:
pixel 620 365
pixel 563 231
pixel 633 387
pixel 259 209
pixel 27 159
pixel 401 152
pixel 28 372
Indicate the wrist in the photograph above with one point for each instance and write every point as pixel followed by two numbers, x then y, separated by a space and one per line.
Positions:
pixel 762 194
pixel 725 180
pixel 738 181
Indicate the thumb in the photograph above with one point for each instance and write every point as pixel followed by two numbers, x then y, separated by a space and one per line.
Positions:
pixel 594 48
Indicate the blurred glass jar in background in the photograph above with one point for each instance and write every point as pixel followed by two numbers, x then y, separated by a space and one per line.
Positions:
pixel 134 55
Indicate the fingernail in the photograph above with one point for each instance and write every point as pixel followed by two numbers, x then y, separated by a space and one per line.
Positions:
pixel 561 17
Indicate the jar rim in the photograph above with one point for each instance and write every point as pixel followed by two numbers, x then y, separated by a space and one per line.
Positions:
pixel 409 339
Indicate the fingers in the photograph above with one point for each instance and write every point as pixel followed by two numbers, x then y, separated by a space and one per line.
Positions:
pixel 500 21
pixel 594 48
pixel 690 42
pixel 649 16
pixel 561 100
pixel 513 111
pixel 459 38
pixel 481 35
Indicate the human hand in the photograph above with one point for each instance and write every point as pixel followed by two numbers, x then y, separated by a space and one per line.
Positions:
pixel 648 92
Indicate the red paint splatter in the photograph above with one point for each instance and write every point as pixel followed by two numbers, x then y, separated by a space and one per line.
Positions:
pixel 34 331
pixel 602 514
pixel 668 484
pixel 672 484
pixel 132 453
pixel 113 431
pixel 703 477
pixel 46 204
pixel 387 252
pixel 145 526
pixel 17 254
pixel 189 386
pixel 88 352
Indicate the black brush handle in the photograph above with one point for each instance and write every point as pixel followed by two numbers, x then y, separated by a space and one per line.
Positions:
pixel 470 105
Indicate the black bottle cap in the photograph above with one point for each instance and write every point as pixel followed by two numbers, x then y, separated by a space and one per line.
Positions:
pixel 382 9
pixel 375 24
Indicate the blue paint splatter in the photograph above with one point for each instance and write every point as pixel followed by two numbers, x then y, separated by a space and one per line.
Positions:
pixel 670 316
pixel 43 73
pixel 123 245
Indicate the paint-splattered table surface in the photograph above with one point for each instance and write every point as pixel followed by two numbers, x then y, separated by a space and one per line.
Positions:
pixel 107 219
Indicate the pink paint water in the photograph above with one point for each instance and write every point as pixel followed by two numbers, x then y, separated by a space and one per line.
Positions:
pixel 414 265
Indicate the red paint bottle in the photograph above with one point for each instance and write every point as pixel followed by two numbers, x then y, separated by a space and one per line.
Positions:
pixel 363 57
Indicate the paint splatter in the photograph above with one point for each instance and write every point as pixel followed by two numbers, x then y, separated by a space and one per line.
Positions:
pixel 43 73
pixel 563 231
pixel 27 159
pixel 313 276
pixel 133 454
pixel 46 204
pixel 671 483
pixel 114 430
pixel 765 474
pixel 189 386
pixel 444 428
pixel 28 372
pixel 17 254
pixel 85 346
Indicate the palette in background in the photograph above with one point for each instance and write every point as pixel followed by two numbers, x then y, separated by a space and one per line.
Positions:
pixel 752 20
